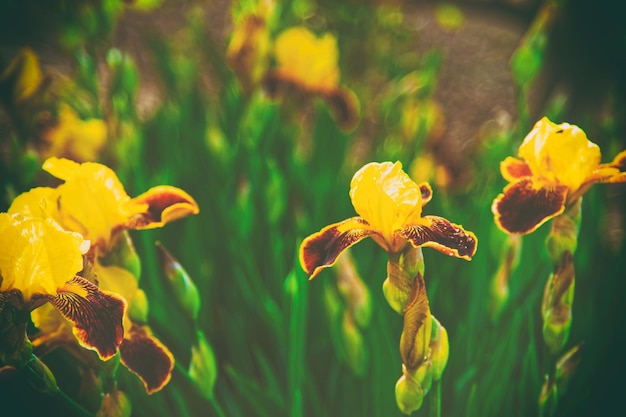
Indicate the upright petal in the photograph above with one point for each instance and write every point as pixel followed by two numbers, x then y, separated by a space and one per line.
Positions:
pixel 524 206
pixel 36 255
pixel 321 249
pixel 147 357
pixel 92 201
pixel 163 204
pixel 438 233
pixel 385 196
pixel 97 316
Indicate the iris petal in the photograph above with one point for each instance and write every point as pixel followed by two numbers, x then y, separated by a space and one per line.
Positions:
pixel 344 106
pixel 147 357
pixel 165 204
pixel 321 249
pixel 513 169
pixel 438 233
pixel 97 316
pixel 524 206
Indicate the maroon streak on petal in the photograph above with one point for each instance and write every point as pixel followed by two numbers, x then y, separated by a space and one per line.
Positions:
pixel 321 249
pixel 147 357
pixel 438 233
pixel 523 207
pixel 97 316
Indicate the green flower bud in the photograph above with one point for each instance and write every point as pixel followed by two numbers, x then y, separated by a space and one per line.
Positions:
pixel 354 290
pixel 563 235
pixel 202 367
pixel 557 305
pixel 184 290
pixel 138 307
pixel 439 349
pixel 353 345
pixel 402 268
pixel 409 394
pixel 122 253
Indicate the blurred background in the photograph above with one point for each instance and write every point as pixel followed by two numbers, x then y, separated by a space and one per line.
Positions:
pixel 186 93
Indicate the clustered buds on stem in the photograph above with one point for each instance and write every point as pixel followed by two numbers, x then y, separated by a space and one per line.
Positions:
pixel 424 341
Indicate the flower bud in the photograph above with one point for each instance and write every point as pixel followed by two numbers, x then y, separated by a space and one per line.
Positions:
pixel 563 235
pixel 122 253
pixel 409 394
pixel 354 290
pixel 416 333
pixel 557 304
pixel 184 290
pixel 202 367
pixel 402 269
pixel 499 286
pixel 353 345
pixel 439 349
pixel 138 307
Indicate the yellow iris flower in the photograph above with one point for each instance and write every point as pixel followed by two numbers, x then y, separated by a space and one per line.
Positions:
pixel 558 164
pixel 38 264
pixel 310 64
pixel 79 139
pixel 307 60
pixel 92 201
pixel 389 205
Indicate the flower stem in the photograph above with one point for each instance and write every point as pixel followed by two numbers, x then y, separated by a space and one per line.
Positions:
pixel 435 399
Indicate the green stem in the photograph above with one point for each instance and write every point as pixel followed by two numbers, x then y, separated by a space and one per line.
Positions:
pixel 435 399
pixel 217 407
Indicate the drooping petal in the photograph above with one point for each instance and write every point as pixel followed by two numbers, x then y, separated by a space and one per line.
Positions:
pixel 164 204
pixel 147 357
pixel 97 316
pixel 321 249
pixel 438 233
pixel 524 206
pixel 513 169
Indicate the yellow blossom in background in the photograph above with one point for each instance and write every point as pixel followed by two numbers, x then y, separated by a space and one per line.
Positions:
pixel 309 64
pixel 307 60
pixel 558 164
pixel 23 76
pixel 81 140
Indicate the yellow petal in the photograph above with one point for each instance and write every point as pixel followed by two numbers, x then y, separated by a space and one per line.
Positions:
pixel 39 202
pixel 25 70
pixel 92 200
pixel 560 153
pixel 306 59
pixel 386 198
pixel 37 256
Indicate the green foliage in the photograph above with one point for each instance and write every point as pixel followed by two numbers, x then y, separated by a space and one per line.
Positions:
pixel 250 334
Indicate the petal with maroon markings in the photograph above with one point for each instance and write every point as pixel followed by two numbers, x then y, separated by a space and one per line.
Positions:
pixel 619 161
pixel 427 192
pixel 321 249
pixel 513 169
pixel 165 204
pixel 438 233
pixel 97 316
pixel 523 206
pixel 147 357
